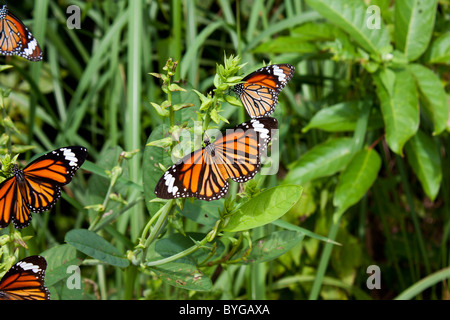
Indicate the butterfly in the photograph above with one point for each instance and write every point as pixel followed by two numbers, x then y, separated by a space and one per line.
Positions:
pixel 16 39
pixel 37 187
pixel 25 280
pixel 205 172
pixel 260 89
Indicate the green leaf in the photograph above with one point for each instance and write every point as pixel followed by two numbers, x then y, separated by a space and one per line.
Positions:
pixel 439 50
pixel 272 246
pixel 160 110
pixel 420 286
pixel 264 208
pixel 399 105
pixel 414 22
pixel 289 226
pixel 286 44
pixel 321 161
pixel 357 178
pixel 341 117
pixel 432 95
pixel 315 31
pixel 59 258
pixel 96 247
pixel 352 17
pixel 203 212
pixel 423 156
pixel 182 275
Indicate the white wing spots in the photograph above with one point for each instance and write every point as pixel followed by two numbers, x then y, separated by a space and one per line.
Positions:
pixel 70 156
pixel 280 74
pixel 28 266
pixel 31 47
pixel 170 180
pixel 259 127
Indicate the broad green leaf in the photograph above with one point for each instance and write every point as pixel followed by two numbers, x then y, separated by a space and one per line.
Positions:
pixel 264 208
pixel 150 167
pixel 398 96
pixel 423 156
pixel 414 22
pixel 203 212
pixel 96 247
pixel 272 246
pixel 315 31
pixel 341 117
pixel 432 95
pixel 352 17
pixel 357 178
pixel 61 291
pixel 59 259
pixel 439 50
pixel 321 161
pixel 182 275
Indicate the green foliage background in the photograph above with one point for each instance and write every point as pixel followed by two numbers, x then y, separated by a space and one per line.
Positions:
pixel 364 139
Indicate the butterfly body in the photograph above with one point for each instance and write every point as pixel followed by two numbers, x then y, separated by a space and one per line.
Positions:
pixel 205 172
pixel 16 39
pixel 260 89
pixel 37 187
pixel 25 280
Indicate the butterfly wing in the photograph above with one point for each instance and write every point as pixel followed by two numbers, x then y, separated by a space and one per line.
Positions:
pixel 260 89
pixel 240 150
pixel 195 175
pixel 25 280
pixel 16 39
pixel 204 173
pixel 44 176
pixel 38 186
pixel 13 205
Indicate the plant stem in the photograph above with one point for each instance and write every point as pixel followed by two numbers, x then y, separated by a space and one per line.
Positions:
pixel 178 255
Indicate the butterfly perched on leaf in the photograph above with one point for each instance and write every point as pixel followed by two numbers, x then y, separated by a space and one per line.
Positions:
pixel 205 172
pixel 25 280
pixel 260 89
pixel 16 39
pixel 37 187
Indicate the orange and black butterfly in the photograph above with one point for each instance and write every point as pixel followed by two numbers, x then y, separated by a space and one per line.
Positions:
pixel 260 89
pixel 37 187
pixel 25 280
pixel 205 172
pixel 16 39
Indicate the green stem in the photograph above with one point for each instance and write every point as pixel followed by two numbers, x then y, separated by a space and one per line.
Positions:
pixel 133 111
pixel 161 217
pixel 178 255
pixel 324 259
